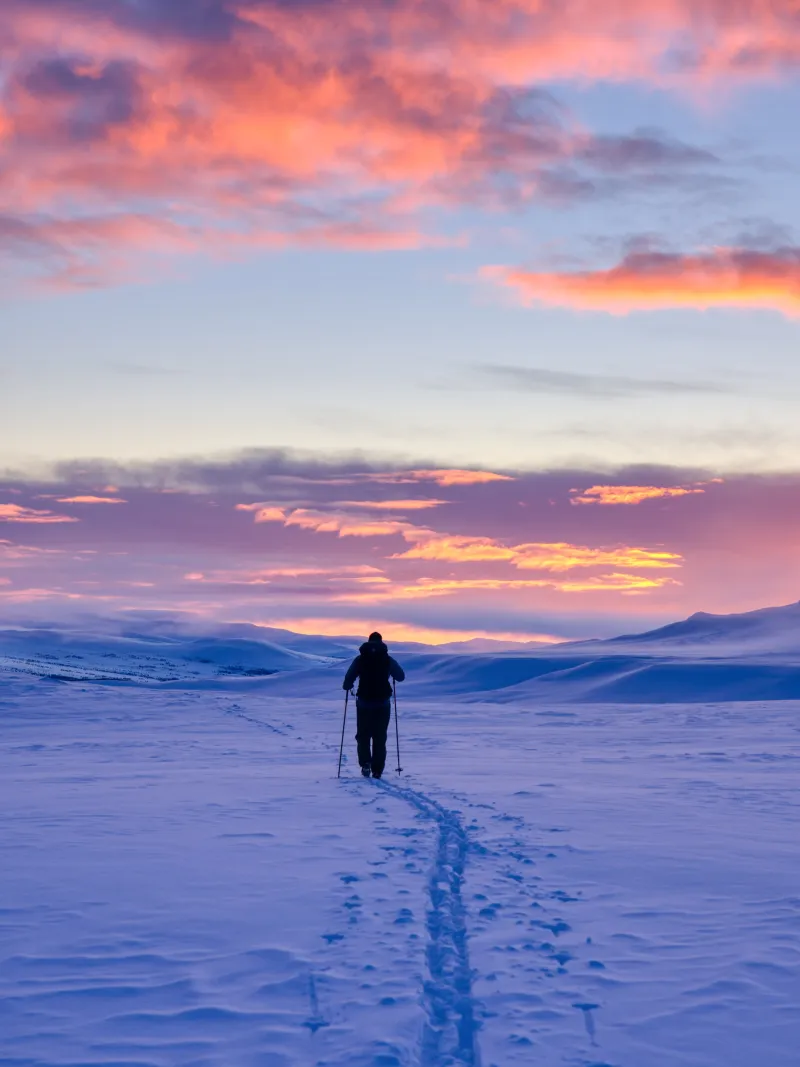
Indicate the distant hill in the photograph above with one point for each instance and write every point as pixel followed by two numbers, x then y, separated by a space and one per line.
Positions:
pixel 705 658
pixel 768 630
pixel 95 654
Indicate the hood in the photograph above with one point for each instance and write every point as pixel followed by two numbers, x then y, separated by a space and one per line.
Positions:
pixel 371 647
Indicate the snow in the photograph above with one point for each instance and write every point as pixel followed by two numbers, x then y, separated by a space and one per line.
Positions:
pixel 553 880
pixel 767 631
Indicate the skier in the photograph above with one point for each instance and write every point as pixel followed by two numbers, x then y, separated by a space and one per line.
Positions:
pixel 373 667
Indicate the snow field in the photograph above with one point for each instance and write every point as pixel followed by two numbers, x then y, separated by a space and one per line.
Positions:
pixel 186 883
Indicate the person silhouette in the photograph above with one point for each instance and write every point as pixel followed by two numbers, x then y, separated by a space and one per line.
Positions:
pixel 373 667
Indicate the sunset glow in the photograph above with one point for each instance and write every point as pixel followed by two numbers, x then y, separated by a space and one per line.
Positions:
pixel 720 278
pixel 629 494
pixel 480 313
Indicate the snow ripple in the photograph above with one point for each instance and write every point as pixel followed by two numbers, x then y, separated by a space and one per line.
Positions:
pixel 450 1035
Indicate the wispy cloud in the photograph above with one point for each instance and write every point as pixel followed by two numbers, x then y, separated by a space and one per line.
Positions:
pixel 268 575
pixel 425 588
pixel 34 516
pixel 630 494
pixel 443 478
pixel 91 500
pixel 339 523
pixel 391 505
pixel 558 556
pixel 544 380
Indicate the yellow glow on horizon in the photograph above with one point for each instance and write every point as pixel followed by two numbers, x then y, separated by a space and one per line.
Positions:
pixel 398 631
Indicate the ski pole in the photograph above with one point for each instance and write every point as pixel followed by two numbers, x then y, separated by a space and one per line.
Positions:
pixel 344 721
pixel 396 726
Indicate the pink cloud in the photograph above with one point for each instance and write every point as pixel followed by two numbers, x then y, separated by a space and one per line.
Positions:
pixel 269 126
pixel 344 525
pixel 90 500
pixel 650 281
pixel 334 521
pixel 270 515
pixel 391 505
pixel 17 513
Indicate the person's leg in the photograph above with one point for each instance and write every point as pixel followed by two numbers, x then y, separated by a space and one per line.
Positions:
pixel 363 734
pixel 380 726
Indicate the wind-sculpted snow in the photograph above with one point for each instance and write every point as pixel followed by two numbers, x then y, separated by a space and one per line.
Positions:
pixel 186 881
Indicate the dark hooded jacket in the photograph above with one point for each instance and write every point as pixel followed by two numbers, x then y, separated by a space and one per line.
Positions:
pixel 373 667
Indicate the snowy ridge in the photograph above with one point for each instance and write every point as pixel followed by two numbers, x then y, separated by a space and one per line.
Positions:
pixel 142 658
pixel 765 631
pixel 755 656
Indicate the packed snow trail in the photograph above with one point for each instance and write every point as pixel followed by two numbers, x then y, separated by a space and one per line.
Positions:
pixel 451 1032
pixel 450 1036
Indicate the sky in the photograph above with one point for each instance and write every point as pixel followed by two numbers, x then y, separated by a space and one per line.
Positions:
pixel 320 244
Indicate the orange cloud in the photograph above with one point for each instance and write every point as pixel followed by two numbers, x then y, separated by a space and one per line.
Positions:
pixel 629 494
pixel 264 512
pixel 270 515
pixel 358 573
pixel 391 505
pixel 564 557
pixel 558 556
pixel 91 500
pixel 17 513
pixel 650 281
pixel 459 549
pixel 425 588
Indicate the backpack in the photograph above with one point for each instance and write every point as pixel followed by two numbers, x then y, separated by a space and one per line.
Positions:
pixel 373 672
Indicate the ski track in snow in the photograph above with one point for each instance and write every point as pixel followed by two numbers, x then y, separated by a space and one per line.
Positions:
pixel 450 1035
